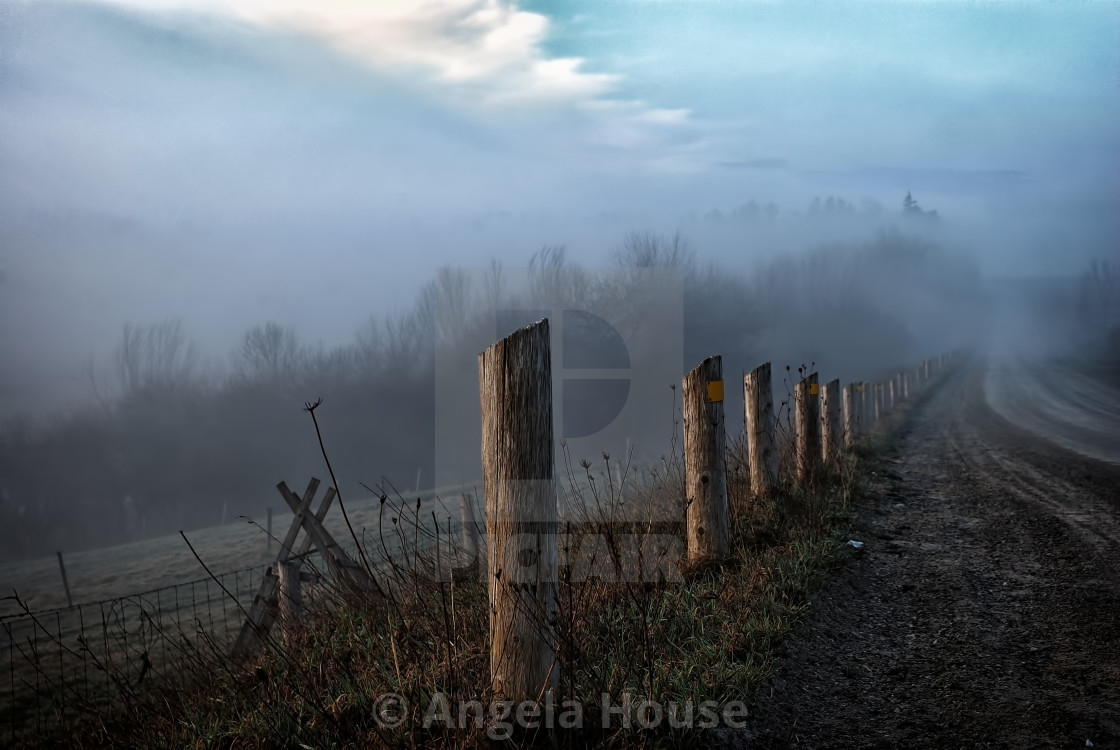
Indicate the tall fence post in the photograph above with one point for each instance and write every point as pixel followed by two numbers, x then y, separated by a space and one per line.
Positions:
pixel 807 414
pixel 290 598
pixel 830 421
pixel 65 583
pixel 706 511
pixel 515 391
pixel 758 405
pixel 850 407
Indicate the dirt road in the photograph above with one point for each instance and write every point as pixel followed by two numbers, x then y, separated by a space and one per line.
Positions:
pixel 1077 407
pixel 984 610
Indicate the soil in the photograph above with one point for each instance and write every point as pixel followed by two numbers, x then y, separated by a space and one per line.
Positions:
pixel 983 609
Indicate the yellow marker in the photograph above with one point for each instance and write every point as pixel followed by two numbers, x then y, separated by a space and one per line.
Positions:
pixel 814 389
pixel 715 391
pixel 859 387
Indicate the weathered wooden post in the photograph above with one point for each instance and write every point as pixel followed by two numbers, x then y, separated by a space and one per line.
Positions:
pixel 830 421
pixel 706 511
pixel 878 401
pixel 758 405
pixel 515 391
pixel 850 407
pixel 290 599
pixel 807 415
pixel 65 583
pixel 890 396
pixel 858 408
pixel 864 392
pixel 268 513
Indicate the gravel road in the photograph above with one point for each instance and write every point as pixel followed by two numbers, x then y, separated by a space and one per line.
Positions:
pixel 984 609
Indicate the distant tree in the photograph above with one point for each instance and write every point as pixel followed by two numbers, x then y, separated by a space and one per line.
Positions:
pixel 911 208
pixel 909 205
pixel 268 352
pixel 652 250
pixel 714 216
pixel 155 359
pixel 749 210
pixel 871 207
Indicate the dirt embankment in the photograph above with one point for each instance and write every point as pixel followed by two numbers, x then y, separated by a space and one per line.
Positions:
pixel 984 609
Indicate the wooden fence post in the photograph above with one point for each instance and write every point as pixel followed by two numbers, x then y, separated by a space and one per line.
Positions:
pixel 65 583
pixel 290 599
pixel 878 401
pixel 850 407
pixel 758 405
pixel 865 409
pixel 807 414
pixel 830 421
pixel 515 391
pixel 706 511
pixel 860 407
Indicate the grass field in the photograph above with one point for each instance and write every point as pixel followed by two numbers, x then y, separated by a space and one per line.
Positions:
pixel 101 574
pixel 143 611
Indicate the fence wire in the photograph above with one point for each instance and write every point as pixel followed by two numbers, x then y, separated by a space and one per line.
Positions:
pixel 59 665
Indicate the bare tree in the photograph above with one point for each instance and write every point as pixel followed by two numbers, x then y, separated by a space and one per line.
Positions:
pixel 651 250
pixel 269 352
pixel 551 278
pixel 155 358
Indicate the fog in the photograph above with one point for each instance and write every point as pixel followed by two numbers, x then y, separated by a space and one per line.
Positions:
pixel 177 171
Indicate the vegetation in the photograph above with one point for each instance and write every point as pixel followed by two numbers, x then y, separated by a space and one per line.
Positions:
pixel 712 637
pixel 165 425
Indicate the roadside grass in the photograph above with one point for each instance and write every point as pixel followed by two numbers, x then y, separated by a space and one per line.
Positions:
pixel 334 681
pixel 411 667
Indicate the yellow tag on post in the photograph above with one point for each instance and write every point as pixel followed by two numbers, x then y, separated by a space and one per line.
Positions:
pixel 814 389
pixel 715 391
pixel 859 387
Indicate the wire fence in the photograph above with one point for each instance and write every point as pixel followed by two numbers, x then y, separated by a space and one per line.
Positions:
pixel 58 666
pixel 61 666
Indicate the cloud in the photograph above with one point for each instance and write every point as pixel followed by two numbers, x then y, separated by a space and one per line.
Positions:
pixel 493 46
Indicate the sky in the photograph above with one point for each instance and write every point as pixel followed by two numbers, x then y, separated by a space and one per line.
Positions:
pixel 231 163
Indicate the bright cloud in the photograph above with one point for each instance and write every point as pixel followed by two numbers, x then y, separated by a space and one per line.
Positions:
pixel 491 44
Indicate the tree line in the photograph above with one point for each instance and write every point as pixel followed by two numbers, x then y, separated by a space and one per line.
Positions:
pixel 168 444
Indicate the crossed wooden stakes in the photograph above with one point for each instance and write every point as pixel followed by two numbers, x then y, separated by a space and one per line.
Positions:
pixel 278 595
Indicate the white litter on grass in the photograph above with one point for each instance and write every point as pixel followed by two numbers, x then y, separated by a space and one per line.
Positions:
pixel 854 543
